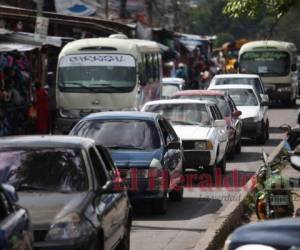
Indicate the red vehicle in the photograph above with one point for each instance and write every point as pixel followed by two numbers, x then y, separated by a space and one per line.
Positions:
pixel 228 110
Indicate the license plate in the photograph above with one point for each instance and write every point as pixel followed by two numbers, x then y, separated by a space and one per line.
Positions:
pixel 280 200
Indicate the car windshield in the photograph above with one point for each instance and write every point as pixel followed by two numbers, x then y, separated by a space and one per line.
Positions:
pixel 218 100
pixel 182 113
pixel 53 170
pixel 169 89
pixel 243 97
pixel 121 134
pixel 265 63
pixel 245 81
pixel 102 73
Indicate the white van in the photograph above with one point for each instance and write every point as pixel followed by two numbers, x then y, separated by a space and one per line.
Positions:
pixel 102 74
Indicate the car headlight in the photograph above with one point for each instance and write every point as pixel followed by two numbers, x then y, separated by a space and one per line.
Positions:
pixel 71 227
pixel 203 145
pixel 284 89
pixel 69 113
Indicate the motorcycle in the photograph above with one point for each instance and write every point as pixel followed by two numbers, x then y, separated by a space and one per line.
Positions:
pixel 292 135
pixel 274 197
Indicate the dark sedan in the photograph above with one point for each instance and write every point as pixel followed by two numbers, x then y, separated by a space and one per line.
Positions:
pixel 74 199
pixel 145 148
pixel 15 228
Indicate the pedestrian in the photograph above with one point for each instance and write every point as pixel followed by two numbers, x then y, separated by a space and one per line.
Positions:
pixel 42 109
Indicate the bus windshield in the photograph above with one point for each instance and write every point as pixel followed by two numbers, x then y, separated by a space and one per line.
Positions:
pixel 265 63
pixel 92 72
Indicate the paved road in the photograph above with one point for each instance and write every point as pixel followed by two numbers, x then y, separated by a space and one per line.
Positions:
pixel 186 222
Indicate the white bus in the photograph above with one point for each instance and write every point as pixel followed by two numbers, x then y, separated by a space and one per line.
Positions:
pixel 276 63
pixel 105 74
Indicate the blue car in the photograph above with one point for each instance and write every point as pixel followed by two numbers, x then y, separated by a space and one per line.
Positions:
pixel 146 150
pixel 15 229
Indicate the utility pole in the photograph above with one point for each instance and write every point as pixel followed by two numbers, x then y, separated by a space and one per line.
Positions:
pixel 106 9
pixel 149 10
pixel 123 8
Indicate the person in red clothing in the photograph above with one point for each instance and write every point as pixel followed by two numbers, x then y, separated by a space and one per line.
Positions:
pixel 42 109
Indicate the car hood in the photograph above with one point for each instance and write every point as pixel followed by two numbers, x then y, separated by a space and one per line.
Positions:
pixel 192 132
pixel 248 111
pixel 133 158
pixel 277 233
pixel 46 208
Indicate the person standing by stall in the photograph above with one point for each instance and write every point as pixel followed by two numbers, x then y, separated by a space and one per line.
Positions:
pixel 42 109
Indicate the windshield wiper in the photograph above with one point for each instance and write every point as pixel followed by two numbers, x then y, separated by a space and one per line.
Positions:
pixel 28 187
pixel 126 147
pixel 79 84
pixel 109 86
pixel 186 122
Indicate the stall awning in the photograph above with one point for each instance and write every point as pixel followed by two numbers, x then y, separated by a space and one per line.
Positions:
pixel 8 47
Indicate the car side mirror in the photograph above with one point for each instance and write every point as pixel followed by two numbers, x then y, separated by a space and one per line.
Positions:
pixel 294 67
pixel 237 113
pixel 113 187
pixel 264 98
pixel 10 192
pixel 173 145
pixel 220 123
pixel 264 103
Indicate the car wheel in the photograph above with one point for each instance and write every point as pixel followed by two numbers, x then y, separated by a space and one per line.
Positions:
pixel 267 132
pixel 160 206
pixel 211 170
pixel 176 195
pixel 231 153
pixel 125 242
pixel 262 137
pixel 222 165
pixel 238 147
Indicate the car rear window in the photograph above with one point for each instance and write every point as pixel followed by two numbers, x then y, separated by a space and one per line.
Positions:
pixel 131 134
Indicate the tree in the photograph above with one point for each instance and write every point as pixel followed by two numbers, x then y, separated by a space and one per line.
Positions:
pixel 254 8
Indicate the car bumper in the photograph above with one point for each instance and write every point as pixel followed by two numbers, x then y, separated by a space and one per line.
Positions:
pixel 251 129
pixel 193 159
pixel 82 244
pixel 275 95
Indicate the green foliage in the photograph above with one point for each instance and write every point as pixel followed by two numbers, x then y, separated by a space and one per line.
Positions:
pixel 253 8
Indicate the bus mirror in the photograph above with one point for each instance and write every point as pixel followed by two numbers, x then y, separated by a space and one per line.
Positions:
pixel 294 67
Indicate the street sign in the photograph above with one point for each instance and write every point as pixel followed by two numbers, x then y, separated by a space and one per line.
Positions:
pixel 41 28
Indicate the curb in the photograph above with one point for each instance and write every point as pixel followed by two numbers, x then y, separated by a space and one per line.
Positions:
pixel 226 222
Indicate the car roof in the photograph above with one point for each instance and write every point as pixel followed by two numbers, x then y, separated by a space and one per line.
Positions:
pixel 197 92
pixel 46 141
pixel 121 115
pixel 236 76
pixel 178 101
pixel 232 86
pixel 173 80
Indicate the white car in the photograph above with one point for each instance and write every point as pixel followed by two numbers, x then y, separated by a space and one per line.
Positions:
pixel 171 85
pixel 241 79
pixel 202 129
pixel 254 110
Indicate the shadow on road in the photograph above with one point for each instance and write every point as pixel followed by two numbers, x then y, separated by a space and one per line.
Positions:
pixel 245 157
pixel 162 228
pixel 188 208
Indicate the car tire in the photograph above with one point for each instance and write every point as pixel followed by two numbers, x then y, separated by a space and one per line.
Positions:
pixel 222 165
pixel 160 205
pixel 176 195
pixel 267 132
pixel 211 170
pixel 125 242
pixel 261 139
pixel 238 147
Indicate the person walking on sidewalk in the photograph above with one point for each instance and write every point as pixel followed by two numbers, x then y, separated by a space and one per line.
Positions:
pixel 42 109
